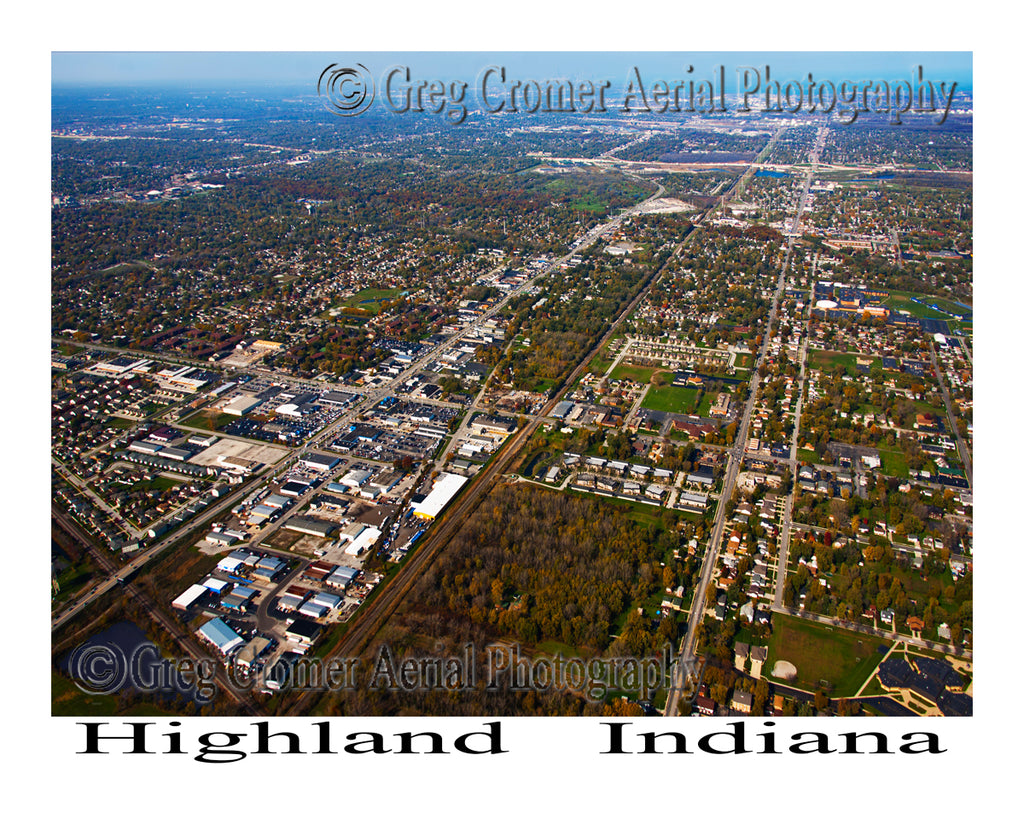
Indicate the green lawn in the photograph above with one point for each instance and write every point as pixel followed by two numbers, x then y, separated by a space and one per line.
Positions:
pixel 671 399
pixel 844 658
pixel 894 463
pixel 808 455
pixel 704 408
pixel 640 374
pixel 160 482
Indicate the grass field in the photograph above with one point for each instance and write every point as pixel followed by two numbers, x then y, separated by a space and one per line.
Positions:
pixel 894 463
pixel 808 455
pixel 590 203
pixel 671 399
pixel 824 653
pixel 73 578
pixel 599 364
pixel 552 648
pixel 901 300
pixel 67 700
pixel 160 482
pixel 829 360
pixel 208 420
pixel 640 374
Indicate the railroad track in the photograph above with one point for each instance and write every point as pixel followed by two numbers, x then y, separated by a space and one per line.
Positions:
pixel 376 612
pixel 168 624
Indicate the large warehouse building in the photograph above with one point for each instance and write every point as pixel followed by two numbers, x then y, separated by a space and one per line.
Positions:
pixel 446 488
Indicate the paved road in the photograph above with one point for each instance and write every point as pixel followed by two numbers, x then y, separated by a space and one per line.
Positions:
pixel 375 611
pixel 687 649
pixel 961 445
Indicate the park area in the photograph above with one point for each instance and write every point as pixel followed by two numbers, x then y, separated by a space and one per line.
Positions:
pixel 825 656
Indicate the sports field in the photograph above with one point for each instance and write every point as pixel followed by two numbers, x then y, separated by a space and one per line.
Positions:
pixel 823 653
pixel 671 399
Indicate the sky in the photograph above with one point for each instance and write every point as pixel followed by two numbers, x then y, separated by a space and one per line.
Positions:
pixel 289 69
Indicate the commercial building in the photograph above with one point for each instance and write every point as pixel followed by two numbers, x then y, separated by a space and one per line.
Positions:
pixel 335 398
pixel 184 379
pixel 318 462
pixel 242 405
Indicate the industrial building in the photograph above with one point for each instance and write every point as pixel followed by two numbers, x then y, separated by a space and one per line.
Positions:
pixel 293 488
pixel 364 539
pixel 341 577
pixel 310 526
pixel 190 596
pixel 221 538
pixel 355 478
pixel 252 651
pixel 203 440
pixel 220 635
pixel 303 632
pixel 446 488
pixel 239 597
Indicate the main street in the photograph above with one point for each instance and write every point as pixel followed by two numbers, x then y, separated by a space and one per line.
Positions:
pixel 687 648
pixel 961 445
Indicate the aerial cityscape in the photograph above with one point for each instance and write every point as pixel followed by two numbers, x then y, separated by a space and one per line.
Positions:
pixel 510 395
